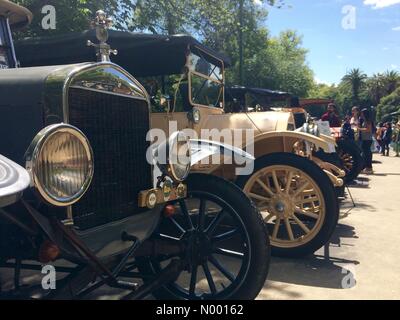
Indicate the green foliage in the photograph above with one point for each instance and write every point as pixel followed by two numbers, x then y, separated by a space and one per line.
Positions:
pixel 376 88
pixel 389 104
pixel 73 15
pixel 277 63
pixel 390 81
pixel 355 79
pixel 381 89
pixel 323 91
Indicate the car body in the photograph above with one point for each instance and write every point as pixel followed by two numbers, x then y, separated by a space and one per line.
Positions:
pixel 81 182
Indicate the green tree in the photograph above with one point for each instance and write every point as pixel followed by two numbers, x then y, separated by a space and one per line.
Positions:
pixel 277 63
pixel 323 91
pixel 389 104
pixel 375 88
pixel 355 79
pixel 73 15
pixel 390 80
pixel 226 26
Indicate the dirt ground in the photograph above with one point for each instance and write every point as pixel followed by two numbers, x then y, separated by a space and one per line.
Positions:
pixel 363 259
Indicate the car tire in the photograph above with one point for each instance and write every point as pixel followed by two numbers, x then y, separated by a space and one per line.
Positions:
pixel 349 151
pixel 256 274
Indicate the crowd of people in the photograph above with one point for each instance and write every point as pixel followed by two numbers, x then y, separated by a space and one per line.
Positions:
pixel 361 128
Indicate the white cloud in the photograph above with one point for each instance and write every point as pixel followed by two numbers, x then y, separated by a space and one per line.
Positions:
pixel 339 56
pixel 396 29
pixel 394 66
pixel 378 4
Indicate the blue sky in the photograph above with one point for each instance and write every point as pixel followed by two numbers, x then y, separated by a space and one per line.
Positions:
pixel 373 45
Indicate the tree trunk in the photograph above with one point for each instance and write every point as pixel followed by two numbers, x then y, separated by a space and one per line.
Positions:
pixel 241 44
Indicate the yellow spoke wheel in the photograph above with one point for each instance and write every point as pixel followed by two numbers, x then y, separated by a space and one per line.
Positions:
pixel 297 202
pixel 290 202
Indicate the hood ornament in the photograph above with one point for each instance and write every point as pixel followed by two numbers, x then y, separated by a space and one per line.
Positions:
pixel 102 23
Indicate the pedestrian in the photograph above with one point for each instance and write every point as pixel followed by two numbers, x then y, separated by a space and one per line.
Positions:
pixel 387 139
pixel 332 116
pixel 379 135
pixel 366 131
pixel 355 123
pixel 396 139
pixel 355 118
pixel 347 130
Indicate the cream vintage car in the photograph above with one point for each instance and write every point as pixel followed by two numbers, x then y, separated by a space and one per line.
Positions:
pixel 345 164
pixel 186 82
pixel 240 99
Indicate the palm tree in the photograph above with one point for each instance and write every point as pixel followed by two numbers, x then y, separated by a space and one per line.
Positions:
pixel 355 79
pixel 391 80
pixel 376 88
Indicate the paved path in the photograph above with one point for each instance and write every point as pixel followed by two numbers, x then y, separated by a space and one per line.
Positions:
pixel 366 243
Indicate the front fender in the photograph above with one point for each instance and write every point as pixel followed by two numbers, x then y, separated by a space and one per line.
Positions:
pixel 202 149
pixel 13 181
pixel 323 144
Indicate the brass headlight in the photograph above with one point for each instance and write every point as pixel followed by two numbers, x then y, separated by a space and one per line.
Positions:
pixel 174 158
pixel 60 161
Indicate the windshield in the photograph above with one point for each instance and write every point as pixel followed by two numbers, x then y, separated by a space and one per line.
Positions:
pixel 201 85
pixel 253 102
pixel 175 87
pixel 206 81
pixel 199 64
pixel 206 92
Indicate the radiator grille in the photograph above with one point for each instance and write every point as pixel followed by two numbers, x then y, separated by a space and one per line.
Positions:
pixel 116 127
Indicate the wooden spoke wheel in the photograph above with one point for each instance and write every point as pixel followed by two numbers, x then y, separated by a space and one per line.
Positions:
pixel 297 201
pixel 291 203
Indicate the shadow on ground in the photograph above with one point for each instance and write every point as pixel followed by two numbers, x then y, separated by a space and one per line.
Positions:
pixel 320 270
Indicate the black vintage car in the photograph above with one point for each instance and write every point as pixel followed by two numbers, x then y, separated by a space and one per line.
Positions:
pixel 82 189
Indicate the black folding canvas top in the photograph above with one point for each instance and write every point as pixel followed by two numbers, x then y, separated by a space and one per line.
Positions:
pixel 140 54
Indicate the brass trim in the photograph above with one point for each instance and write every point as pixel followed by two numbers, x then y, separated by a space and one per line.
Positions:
pixel 85 67
pixel 106 92
pixel 176 193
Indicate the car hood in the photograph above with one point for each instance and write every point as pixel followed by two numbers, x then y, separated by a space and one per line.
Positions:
pixel 270 120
